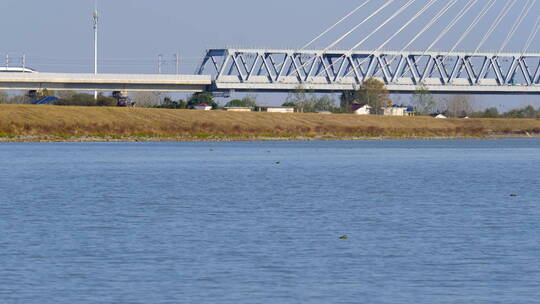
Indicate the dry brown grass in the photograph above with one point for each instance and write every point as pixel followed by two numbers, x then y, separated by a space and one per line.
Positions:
pixel 28 122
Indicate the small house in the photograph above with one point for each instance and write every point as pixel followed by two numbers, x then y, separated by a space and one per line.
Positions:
pixel 238 109
pixel 203 107
pixel 411 111
pixel 274 109
pixel 394 110
pixel 361 109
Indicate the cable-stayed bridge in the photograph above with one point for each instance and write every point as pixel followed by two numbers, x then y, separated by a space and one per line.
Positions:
pixel 327 69
pixel 339 58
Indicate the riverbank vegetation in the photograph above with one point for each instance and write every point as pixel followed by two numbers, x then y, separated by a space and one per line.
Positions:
pixel 54 123
pixel 372 92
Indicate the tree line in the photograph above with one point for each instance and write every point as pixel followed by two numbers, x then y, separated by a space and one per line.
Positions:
pixel 372 92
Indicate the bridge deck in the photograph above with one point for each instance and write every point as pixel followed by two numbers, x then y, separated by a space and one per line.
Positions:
pixel 104 82
pixel 402 85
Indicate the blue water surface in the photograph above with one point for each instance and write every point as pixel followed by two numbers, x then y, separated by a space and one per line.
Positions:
pixel 260 222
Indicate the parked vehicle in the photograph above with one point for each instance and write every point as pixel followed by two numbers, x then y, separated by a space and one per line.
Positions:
pixel 125 102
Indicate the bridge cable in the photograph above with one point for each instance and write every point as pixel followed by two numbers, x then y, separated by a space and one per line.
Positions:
pixel 416 16
pixel 438 16
pixel 426 27
pixel 477 19
pixel 449 5
pixel 358 25
pixel 441 13
pixel 532 35
pixel 336 24
pixel 475 22
pixel 403 8
pixel 346 34
pixel 522 16
pixel 456 19
pixel 506 9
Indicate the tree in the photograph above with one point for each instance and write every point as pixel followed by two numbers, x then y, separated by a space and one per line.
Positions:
pixel 289 104
pixel 298 98
pixel 372 92
pixel 169 103
pixel 423 101
pixel 65 94
pixel 323 103
pixel 20 99
pixel 529 112
pixel 106 101
pixel 309 102
pixel 167 100
pixel 246 102
pixel 491 113
pixel 87 100
pixel 201 98
pixel 77 100
pixel 347 100
pixel 4 97
pixel 459 106
pixel 182 104
pixel 146 99
pixel 44 93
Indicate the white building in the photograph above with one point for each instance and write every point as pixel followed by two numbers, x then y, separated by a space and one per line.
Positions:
pixel 394 111
pixel 271 109
pixel 361 109
pixel 203 107
pixel 238 109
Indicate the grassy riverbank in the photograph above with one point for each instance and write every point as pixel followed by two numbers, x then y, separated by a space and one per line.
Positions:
pixel 56 123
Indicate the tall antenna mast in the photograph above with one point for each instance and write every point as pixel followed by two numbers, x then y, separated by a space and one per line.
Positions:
pixel 95 19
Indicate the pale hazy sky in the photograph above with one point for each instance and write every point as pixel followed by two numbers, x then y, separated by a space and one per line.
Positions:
pixel 57 36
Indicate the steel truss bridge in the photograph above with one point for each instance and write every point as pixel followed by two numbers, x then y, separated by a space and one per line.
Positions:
pixel 439 72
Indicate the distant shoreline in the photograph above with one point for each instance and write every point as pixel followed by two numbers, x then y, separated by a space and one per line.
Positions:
pixel 30 123
pixel 46 139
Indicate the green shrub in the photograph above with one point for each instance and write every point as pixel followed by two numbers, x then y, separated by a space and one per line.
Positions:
pixel 87 100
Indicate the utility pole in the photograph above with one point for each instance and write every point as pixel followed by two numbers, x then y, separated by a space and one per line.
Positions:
pixel 95 19
pixel 24 62
pixel 160 62
pixel 177 58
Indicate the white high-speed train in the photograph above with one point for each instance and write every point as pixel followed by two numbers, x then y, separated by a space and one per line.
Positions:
pixel 16 70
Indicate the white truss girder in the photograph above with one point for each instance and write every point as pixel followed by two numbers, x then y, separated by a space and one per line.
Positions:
pixel 261 69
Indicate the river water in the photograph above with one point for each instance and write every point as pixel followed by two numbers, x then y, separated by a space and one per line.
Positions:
pixel 260 222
